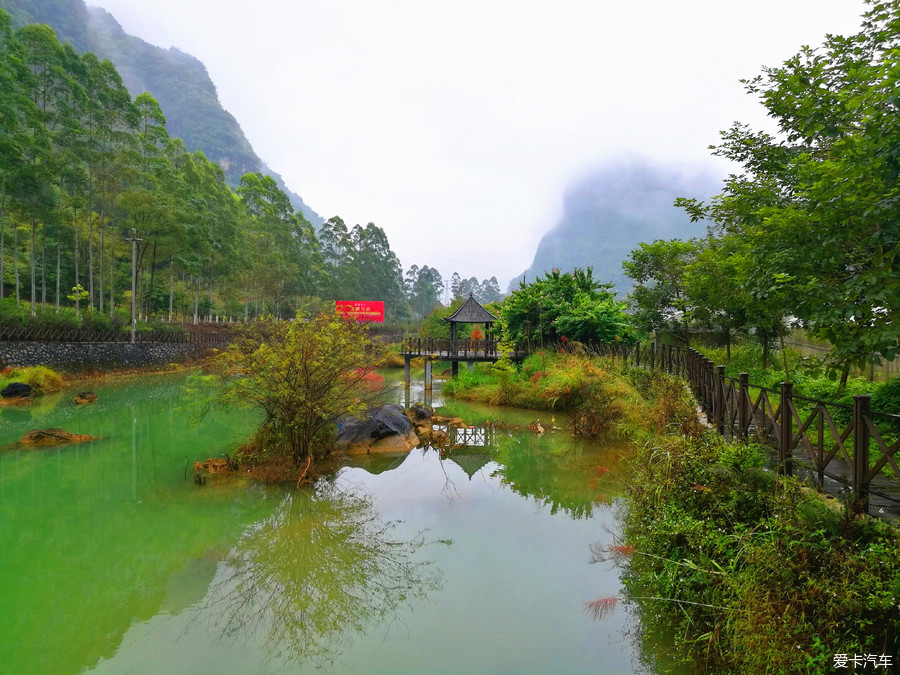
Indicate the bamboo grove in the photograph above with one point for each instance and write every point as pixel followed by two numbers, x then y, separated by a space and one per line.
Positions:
pixel 84 168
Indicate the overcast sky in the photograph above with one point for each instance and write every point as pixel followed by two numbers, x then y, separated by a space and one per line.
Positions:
pixel 453 122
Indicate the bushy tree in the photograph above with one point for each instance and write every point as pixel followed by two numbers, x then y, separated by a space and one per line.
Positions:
pixel 423 289
pixel 574 306
pixel 303 375
pixel 817 204
pixel 659 299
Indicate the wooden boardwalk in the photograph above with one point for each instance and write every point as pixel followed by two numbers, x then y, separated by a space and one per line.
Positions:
pixel 454 351
pixel 445 349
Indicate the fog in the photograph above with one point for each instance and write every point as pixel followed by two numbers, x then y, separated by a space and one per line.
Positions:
pixel 457 127
pixel 610 210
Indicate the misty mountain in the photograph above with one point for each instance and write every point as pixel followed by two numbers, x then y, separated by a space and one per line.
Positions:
pixel 607 213
pixel 178 81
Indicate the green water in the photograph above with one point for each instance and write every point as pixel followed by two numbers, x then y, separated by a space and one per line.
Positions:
pixel 113 561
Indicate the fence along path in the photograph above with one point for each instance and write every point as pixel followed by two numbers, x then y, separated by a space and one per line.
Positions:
pixel 70 335
pixel 839 447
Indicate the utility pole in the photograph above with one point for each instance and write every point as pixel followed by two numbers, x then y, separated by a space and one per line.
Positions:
pixel 134 242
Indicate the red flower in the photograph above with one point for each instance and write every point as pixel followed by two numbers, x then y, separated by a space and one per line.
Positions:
pixel 601 607
pixel 564 339
pixel 622 549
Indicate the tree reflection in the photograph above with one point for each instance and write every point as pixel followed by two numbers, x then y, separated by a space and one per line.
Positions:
pixel 322 565
pixel 555 473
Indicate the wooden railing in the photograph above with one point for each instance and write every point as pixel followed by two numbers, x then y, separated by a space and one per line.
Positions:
pixel 850 444
pixel 459 348
pixel 73 335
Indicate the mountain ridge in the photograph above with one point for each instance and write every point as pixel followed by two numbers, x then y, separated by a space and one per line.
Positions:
pixel 609 211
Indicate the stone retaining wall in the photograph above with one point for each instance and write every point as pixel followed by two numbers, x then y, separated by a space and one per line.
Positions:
pixel 77 357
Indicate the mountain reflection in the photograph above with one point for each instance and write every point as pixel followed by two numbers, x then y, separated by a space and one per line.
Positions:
pixel 322 566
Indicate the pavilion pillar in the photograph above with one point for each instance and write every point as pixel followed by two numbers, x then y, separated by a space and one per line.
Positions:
pixel 471 365
pixel 406 360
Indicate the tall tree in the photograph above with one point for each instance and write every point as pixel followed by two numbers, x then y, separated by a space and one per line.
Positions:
pixel 818 203
pixel 659 299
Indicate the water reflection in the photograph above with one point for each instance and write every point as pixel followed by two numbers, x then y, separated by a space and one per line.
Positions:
pixel 558 472
pixel 322 565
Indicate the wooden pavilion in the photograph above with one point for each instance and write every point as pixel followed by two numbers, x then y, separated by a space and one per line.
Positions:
pixel 471 311
pixel 457 348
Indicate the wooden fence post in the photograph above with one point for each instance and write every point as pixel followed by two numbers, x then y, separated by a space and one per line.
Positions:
pixel 820 447
pixel 744 406
pixel 720 399
pixel 785 449
pixel 861 452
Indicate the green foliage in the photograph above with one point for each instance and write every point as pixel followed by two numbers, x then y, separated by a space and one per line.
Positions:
pixel 43 379
pixel 177 80
pixel 886 399
pixel 659 300
pixel 574 306
pixel 484 291
pixel 303 375
pixel 812 217
pixel 748 572
pixel 594 391
pixel 83 167
pixel 424 288
pixel 810 378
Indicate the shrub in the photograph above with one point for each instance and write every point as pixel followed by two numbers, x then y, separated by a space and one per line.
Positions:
pixel 886 399
pixel 304 375
pixel 41 378
pixel 750 571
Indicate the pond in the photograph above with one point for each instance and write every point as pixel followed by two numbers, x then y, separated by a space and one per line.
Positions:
pixel 477 560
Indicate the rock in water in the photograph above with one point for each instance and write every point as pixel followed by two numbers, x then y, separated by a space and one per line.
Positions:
pixel 44 437
pixel 16 390
pixel 419 415
pixel 85 397
pixel 384 429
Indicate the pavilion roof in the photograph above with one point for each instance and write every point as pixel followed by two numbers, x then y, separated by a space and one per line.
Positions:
pixel 471 312
pixel 470 463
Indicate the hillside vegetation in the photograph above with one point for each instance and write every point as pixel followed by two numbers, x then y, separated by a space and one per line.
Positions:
pixel 178 81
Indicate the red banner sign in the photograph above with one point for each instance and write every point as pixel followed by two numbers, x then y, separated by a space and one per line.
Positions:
pixel 361 310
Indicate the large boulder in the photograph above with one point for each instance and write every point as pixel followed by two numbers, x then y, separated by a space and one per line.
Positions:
pixel 40 438
pixel 384 429
pixel 16 390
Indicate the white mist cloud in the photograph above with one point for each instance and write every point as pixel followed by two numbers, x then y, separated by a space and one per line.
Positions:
pixel 457 126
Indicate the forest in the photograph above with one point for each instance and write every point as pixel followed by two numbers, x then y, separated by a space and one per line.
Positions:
pixel 86 172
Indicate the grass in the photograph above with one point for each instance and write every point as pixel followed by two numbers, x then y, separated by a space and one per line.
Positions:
pixel 41 378
pixel 749 571
pixel 595 391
